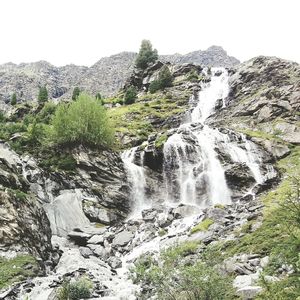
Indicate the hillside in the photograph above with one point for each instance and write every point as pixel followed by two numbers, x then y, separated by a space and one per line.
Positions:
pixel 198 198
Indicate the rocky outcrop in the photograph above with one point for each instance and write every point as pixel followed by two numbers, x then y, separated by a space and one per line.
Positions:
pixel 24 226
pixel 214 56
pixel 265 97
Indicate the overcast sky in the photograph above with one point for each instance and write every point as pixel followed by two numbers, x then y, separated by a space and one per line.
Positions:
pixel 83 31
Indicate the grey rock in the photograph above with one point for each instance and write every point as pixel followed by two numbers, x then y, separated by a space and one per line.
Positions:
pixel 96 239
pixel 85 252
pixel 122 238
pixel 184 210
pixel 114 262
pixel 249 292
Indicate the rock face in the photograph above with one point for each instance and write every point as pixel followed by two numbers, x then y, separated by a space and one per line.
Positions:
pixel 214 56
pixel 24 226
pixel 265 97
pixel 106 76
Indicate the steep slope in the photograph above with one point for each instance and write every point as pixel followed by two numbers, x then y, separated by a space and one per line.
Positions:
pixel 106 76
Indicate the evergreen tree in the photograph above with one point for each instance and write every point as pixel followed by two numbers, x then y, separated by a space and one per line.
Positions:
pixel 13 100
pixel 43 94
pixel 165 77
pixel 130 95
pixel 98 96
pixel 146 55
pixel 76 93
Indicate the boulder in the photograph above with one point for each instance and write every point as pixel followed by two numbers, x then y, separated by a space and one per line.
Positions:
pixel 249 292
pixel 122 238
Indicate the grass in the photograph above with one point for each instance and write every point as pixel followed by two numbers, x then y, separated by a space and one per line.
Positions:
pixel 202 226
pixel 17 269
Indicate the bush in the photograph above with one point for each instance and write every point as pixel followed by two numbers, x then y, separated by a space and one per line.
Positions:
pixel 164 80
pixel 82 122
pixel 146 55
pixel 76 93
pixel 13 100
pixel 174 279
pixel 130 95
pixel 80 289
pixel 193 76
pixel 165 77
pixel 154 86
pixel 43 94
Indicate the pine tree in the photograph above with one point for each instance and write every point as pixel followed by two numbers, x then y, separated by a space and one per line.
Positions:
pixel 76 93
pixel 43 94
pixel 146 55
pixel 13 100
pixel 98 96
pixel 130 95
pixel 165 77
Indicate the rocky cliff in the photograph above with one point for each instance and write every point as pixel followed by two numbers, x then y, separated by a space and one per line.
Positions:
pixel 106 76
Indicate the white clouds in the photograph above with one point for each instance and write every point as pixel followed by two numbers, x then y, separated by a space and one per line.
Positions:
pixel 82 31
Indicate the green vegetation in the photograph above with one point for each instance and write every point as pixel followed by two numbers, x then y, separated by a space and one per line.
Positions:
pixel 130 95
pixel 279 234
pixel 164 80
pixel 79 289
pixel 193 76
pixel 98 96
pixel 13 100
pixel 160 141
pixel 17 269
pixel 146 55
pixel 134 120
pixel 54 161
pixel 76 93
pixel 83 121
pixel 203 226
pixel 174 278
pixel 43 94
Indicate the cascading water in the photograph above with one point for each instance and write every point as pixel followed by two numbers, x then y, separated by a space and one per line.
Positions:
pixel 137 178
pixel 193 173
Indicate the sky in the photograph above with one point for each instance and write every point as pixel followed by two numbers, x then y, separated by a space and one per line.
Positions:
pixel 82 31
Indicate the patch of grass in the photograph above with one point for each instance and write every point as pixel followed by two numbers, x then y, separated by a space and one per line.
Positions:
pixel 202 226
pixel 79 289
pixel 160 141
pixel 220 206
pixel 162 232
pixel 17 269
pixel 53 161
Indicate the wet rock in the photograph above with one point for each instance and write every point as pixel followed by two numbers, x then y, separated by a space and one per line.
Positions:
pixel 184 210
pixel 149 214
pixel 122 238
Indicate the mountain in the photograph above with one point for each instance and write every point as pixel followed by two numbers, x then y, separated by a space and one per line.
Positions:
pixel 106 76
pixel 199 195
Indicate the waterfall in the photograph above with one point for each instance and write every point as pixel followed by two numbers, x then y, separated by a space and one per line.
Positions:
pixel 193 173
pixel 138 182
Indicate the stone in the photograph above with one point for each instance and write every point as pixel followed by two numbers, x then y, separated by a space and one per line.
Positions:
pixel 114 262
pixel 264 261
pixel 149 214
pixel 122 238
pixel 249 292
pixel 79 238
pixel 85 252
pixel 96 239
pixel 100 251
pixel 184 210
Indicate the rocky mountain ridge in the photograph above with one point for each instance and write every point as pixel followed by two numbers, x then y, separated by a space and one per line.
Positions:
pixel 106 76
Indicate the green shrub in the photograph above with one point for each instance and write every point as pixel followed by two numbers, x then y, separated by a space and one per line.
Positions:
pixel 13 100
pixel 43 94
pixel 83 121
pixel 130 95
pixel 193 76
pixel 165 77
pixel 80 289
pixel 146 55
pixel 46 114
pixel 75 93
pixel 154 86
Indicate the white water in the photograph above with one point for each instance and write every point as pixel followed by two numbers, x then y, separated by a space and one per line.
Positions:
pixel 137 178
pixel 194 166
